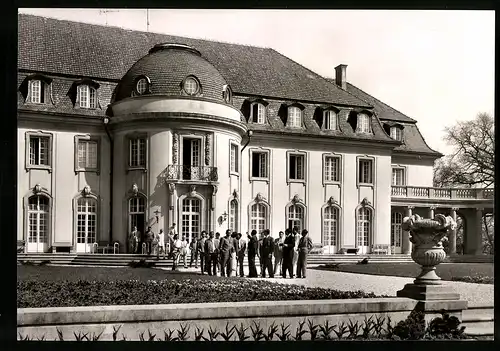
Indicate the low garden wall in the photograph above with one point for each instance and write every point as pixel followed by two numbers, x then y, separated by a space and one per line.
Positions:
pixel 54 322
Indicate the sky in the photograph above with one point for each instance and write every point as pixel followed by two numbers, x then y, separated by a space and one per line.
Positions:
pixel 436 67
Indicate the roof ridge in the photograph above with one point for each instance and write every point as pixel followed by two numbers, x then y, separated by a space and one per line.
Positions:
pixel 320 76
pixel 383 103
pixel 143 32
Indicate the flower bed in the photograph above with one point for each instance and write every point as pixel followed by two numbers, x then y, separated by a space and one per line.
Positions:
pixel 478 279
pixel 32 293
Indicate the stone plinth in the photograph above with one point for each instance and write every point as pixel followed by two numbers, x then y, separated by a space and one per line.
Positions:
pixel 428 292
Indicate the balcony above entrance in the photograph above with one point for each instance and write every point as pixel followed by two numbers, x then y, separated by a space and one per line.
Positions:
pixel 198 174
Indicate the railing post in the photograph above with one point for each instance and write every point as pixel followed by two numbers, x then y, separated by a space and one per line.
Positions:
pixel 431 193
pixel 479 193
pixel 453 193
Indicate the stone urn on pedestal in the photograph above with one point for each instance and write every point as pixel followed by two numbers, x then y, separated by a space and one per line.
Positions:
pixel 426 236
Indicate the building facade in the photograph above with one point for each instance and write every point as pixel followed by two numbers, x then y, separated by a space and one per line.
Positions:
pixel 119 128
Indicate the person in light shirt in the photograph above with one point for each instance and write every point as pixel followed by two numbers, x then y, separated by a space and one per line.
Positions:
pixel 241 249
pixel 184 251
pixel 176 250
pixel 160 240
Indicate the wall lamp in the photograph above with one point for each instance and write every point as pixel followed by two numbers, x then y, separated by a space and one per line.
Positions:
pixel 224 216
pixel 157 213
pixel 249 135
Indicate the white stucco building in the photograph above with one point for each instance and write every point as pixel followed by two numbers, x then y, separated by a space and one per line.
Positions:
pixel 118 128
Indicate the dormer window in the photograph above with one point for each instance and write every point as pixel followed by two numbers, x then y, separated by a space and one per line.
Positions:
pixel 36 89
pixel 191 85
pixel 258 113
pixel 329 120
pixel 363 125
pixel 227 94
pixel 294 117
pixel 396 133
pixel 87 96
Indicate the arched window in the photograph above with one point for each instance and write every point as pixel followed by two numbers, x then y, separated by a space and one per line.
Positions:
pixel 137 213
pixel 38 223
pixel 86 225
pixel 396 230
pixel 233 215
pixel 258 113
pixel 294 117
pixel 363 123
pixel 331 226
pixel 363 228
pixel 191 218
pixel 87 96
pixel 295 217
pixel 330 120
pixel 258 217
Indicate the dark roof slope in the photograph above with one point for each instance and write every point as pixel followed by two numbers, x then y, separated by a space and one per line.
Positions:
pixel 73 48
pixel 383 110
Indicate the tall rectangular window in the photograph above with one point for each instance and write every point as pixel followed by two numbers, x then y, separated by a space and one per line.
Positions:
pixel 234 158
pixel 398 176
pixel 137 152
pixel 365 171
pixel 294 117
pixel 259 165
pixel 364 123
pixel 39 151
pixel 36 91
pixel 87 154
pixel 87 96
pixel 296 167
pixel 332 169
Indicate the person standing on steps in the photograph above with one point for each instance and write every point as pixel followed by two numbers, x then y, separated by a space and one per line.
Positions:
pixel 149 240
pixel 267 254
pixel 225 248
pixel 296 236
pixel 132 241
pixel 160 239
pixel 253 247
pixel 176 250
pixel 242 247
pixel 194 252
pixel 219 259
pixel 172 231
pixel 211 251
pixel 184 249
pixel 304 247
pixel 288 246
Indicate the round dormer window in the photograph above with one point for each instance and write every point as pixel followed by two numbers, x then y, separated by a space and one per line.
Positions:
pixel 142 85
pixel 191 86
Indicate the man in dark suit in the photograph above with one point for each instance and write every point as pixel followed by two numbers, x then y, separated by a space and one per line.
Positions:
pixel 242 247
pixel 288 247
pixel 305 245
pixel 201 251
pixel 253 246
pixel 267 254
pixel 225 248
pixel 211 252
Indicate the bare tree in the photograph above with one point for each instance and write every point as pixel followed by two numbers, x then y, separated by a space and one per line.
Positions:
pixel 472 164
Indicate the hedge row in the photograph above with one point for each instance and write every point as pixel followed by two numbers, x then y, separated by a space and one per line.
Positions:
pixel 32 293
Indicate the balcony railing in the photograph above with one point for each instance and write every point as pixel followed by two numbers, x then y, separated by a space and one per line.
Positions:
pixel 197 173
pixel 440 193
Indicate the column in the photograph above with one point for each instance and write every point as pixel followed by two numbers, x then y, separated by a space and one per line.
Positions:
pixel 406 235
pixel 431 212
pixel 478 233
pixel 453 234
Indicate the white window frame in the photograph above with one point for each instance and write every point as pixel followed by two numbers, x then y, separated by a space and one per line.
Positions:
pixel 234 215
pixel 234 162
pixel 396 228
pixel 363 124
pixel 32 135
pixel 327 120
pixel 326 157
pixel 35 91
pixel 38 212
pixel 267 167
pixel 261 113
pixel 79 139
pixel 87 218
pixel 304 167
pixel 139 165
pixel 403 179
pixel 396 133
pixel 294 114
pixel 362 223
pixel 295 216
pixel 359 161
pixel 327 223
pixel 186 86
pixel 86 96
pixel 258 219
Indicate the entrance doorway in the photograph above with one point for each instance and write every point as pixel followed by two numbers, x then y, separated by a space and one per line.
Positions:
pixel 364 229
pixel 137 215
pixel 86 224
pixel 38 223
pixel 396 232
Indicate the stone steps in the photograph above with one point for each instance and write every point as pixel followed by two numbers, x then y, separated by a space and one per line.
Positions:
pixel 479 320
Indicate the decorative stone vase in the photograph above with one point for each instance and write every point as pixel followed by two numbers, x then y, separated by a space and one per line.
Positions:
pixel 426 236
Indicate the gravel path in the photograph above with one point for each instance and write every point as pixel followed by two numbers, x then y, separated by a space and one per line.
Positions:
pixel 475 294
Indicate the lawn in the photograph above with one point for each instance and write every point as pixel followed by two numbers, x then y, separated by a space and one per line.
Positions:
pixel 447 271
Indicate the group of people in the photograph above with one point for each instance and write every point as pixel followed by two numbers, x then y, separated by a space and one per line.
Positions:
pixel 226 255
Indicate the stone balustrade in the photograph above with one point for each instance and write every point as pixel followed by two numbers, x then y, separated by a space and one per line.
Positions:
pixel 405 191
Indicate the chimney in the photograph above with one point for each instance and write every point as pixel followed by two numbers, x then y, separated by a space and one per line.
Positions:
pixel 340 76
